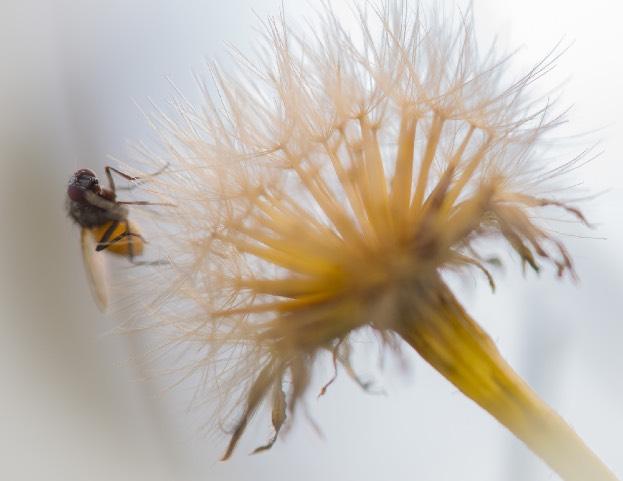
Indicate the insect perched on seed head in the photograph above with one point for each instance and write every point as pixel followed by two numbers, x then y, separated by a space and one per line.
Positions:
pixel 104 225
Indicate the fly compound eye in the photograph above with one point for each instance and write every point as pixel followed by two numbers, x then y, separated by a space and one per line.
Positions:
pixel 80 182
pixel 75 192
pixel 84 172
pixel 86 178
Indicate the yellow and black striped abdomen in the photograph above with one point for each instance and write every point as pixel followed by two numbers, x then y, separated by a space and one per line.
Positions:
pixel 117 243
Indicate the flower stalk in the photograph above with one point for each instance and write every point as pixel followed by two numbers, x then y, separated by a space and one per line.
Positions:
pixel 453 343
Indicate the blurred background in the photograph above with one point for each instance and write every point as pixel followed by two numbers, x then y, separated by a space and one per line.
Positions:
pixel 75 404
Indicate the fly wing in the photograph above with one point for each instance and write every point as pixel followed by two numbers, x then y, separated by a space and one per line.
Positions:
pixel 95 269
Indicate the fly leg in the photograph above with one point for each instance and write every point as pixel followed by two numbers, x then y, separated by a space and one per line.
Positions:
pixel 105 242
pixel 131 251
pixel 150 263
pixel 145 202
pixel 135 180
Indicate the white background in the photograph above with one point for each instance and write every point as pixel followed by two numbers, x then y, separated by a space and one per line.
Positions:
pixel 75 406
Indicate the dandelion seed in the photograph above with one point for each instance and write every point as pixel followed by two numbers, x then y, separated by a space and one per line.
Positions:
pixel 330 185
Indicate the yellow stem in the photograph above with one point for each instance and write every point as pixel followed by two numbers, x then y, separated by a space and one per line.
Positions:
pixel 451 341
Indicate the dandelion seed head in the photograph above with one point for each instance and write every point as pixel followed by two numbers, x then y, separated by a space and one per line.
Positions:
pixel 328 183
